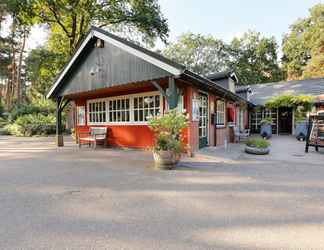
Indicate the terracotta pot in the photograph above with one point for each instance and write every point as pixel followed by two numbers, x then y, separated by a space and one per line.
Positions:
pixel 166 159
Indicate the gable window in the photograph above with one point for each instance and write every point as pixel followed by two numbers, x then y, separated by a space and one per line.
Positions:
pixel 97 112
pixel 220 112
pixel 119 110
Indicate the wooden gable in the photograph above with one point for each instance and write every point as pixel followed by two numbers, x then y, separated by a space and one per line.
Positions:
pixel 98 68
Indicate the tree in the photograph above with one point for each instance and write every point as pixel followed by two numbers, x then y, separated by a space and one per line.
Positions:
pixel 42 67
pixel 303 46
pixel 18 11
pixel 254 58
pixel 70 20
pixel 201 54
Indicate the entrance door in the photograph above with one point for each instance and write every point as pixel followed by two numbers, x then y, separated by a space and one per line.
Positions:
pixel 203 120
pixel 285 120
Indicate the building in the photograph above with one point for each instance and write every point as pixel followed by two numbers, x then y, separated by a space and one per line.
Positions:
pixel 118 84
pixel 283 118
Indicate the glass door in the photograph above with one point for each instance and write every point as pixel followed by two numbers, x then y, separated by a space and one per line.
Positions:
pixel 203 120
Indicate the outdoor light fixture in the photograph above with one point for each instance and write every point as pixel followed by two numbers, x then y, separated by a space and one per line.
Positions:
pixel 99 43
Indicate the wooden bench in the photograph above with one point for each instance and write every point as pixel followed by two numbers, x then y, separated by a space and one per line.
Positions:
pixel 91 138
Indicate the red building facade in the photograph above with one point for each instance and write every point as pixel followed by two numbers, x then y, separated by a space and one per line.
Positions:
pixel 119 85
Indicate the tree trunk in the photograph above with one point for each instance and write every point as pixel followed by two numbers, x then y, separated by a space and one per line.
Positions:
pixel 21 55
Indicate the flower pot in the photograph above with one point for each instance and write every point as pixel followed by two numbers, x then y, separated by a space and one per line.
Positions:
pixel 266 131
pixel 166 159
pixel 257 151
pixel 301 130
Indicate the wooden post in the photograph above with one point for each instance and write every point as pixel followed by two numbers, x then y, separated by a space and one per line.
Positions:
pixel 309 129
pixel 172 94
pixel 59 136
pixel 277 121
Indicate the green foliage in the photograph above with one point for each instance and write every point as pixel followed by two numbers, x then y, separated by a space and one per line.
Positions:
pixel 167 130
pixel 38 106
pixel 201 54
pixel 42 66
pixel 303 46
pixel 287 100
pixel 266 121
pixel 70 20
pixel 32 124
pixel 252 57
pixel 258 143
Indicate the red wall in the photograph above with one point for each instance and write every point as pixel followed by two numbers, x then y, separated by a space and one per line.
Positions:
pixel 140 136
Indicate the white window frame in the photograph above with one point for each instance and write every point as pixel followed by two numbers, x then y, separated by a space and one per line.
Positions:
pixel 218 112
pixel 131 108
pixel 88 111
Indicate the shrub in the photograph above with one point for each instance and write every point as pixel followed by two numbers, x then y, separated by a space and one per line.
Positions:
pixel 167 130
pixel 32 124
pixel 258 143
pixel 266 121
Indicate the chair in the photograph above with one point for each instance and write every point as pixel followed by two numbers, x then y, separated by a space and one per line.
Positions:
pixel 95 135
pixel 241 135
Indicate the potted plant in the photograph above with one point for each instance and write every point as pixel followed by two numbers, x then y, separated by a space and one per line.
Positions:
pixel 257 146
pixel 167 138
pixel 266 127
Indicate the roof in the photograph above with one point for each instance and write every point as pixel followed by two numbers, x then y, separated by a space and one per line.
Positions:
pixel 168 65
pixel 242 88
pixel 263 92
pixel 222 75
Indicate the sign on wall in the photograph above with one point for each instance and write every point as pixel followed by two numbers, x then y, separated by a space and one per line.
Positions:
pixel 195 109
pixel 81 115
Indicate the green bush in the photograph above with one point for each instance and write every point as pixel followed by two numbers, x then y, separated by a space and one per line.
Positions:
pixel 266 121
pixel 33 108
pixel 167 130
pixel 257 143
pixel 32 124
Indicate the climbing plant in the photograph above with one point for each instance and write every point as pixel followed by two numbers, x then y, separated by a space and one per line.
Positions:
pixel 301 104
pixel 288 100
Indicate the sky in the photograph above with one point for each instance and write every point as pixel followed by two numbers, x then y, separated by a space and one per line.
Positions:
pixel 224 19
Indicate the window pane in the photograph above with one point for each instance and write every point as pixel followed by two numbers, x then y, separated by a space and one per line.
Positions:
pixel 157 101
pixel 136 115
pixel 135 103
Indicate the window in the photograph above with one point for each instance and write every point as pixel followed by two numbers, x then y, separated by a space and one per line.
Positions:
pixel 81 115
pixel 146 106
pixel 220 112
pixel 119 110
pixel 97 112
pixel 124 109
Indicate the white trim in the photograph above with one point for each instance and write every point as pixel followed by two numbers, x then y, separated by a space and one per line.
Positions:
pixel 131 108
pixel 86 40
pixel 140 54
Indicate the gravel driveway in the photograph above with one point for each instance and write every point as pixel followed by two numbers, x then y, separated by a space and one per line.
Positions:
pixel 68 198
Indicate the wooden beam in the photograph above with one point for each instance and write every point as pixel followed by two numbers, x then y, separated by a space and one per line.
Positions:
pixel 156 85
pixel 59 136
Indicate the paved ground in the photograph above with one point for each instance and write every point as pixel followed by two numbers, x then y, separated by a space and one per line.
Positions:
pixel 111 199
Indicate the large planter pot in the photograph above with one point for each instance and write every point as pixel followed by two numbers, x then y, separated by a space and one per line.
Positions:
pixel 301 130
pixel 257 151
pixel 166 159
pixel 266 131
